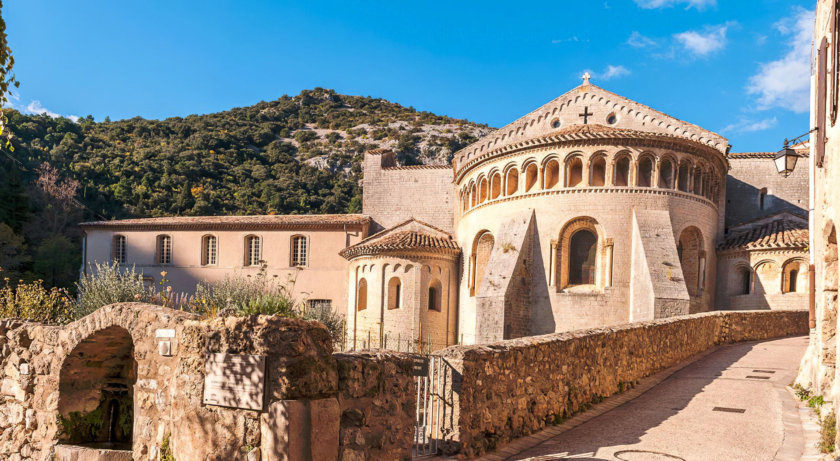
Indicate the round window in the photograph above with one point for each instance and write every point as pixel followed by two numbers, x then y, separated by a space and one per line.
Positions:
pixel 555 123
pixel 612 119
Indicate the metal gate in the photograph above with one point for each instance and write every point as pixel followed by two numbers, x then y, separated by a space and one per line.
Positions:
pixel 431 405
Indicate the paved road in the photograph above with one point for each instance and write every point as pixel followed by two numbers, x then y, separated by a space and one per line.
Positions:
pixel 676 419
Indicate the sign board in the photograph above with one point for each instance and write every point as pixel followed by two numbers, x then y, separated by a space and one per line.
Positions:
pixel 232 380
pixel 420 366
pixel 165 333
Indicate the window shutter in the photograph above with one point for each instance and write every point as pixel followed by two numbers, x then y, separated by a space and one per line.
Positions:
pixel 822 57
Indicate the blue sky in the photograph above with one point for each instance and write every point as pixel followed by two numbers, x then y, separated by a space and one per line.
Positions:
pixel 736 67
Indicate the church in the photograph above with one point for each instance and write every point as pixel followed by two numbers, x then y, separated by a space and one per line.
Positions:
pixel 589 211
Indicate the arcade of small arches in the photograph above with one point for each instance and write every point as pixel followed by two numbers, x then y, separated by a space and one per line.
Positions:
pixel 769 277
pixel 645 169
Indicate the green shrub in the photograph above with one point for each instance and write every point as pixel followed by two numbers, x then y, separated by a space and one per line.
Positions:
pixel 108 284
pixel 828 433
pixel 330 319
pixel 244 295
pixel 31 301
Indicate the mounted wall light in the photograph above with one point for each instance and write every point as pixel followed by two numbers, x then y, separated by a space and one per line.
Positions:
pixel 786 158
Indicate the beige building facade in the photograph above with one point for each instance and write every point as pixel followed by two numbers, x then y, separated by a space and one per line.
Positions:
pixel 299 252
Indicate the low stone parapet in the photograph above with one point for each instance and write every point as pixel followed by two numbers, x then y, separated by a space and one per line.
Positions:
pixel 514 388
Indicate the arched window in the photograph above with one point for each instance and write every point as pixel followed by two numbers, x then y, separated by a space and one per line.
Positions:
pixel 598 171
pixel 666 174
pixel 698 182
pixel 209 249
pixel 744 281
pixel 645 173
pixel 511 181
pixel 582 254
pixel 762 198
pixel 118 249
pixel 473 196
pixel 434 295
pixel 164 249
pixel 253 250
pixel 690 251
pixel 300 251
pixel 682 177
pixel 496 186
pixel 574 171
pixel 793 274
pixel 551 174
pixel 531 175
pixel 361 295
pixel 621 176
pixel 394 295
pixel 482 191
pixel 482 247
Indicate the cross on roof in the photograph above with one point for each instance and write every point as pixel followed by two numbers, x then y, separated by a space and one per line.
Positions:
pixel 586 78
pixel 585 115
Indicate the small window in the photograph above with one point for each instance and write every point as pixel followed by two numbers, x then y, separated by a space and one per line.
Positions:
pixel 762 198
pixel 551 174
pixel 555 123
pixel 299 251
pixel 164 249
pixel 574 172
pixel 598 172
pixel 645 176
pixel 361 295
pixel 394 295
pixel 320 305
pixel 253 250
pixel 622 172
pixel 118 249
pixel 612 119
pixel 434 295
pixel 512 179
pixel 208 250
pixel 582 248
pixel 531 174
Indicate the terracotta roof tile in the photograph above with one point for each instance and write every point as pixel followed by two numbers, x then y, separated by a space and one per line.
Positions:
pixel 411 235
pixel 778 234
pixel 234 222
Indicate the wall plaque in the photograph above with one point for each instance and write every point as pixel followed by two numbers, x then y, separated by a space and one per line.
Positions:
pixel 233 380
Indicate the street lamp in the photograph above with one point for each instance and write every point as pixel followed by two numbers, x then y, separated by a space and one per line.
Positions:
pixel 786 158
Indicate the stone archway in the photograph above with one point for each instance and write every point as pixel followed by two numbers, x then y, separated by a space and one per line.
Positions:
pixel 96 391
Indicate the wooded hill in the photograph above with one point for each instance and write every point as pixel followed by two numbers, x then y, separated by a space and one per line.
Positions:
pixel 297 154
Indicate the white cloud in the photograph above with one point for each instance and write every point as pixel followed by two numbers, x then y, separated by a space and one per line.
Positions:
pixel 704 42
pixel 745 125
pixel 785 82
pixel 570 39
pixel 612 72
pixel 637 40
pixel 35 107
pixel 699 4
pixel 609 73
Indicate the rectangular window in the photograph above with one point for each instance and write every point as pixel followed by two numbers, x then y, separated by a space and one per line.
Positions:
pixel 320 305
pixel 164 249
pixel 118 251
pixel 299 256
pixel 253 250
pixel 208 253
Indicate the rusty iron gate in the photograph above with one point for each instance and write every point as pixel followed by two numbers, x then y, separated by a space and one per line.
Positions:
pixel 429 425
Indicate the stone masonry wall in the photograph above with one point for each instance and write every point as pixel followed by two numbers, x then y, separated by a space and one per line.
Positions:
pixel 545 379
pixel 394 194
pixel 307 388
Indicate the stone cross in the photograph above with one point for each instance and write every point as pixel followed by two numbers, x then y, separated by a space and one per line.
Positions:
pixel 585 115
pixel 586 78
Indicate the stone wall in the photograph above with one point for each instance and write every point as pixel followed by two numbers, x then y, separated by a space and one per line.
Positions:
pixel 53 382
pixel 749 174
pixel 547 378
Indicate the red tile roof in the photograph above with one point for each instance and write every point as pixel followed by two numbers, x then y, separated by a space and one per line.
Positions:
pixel 778 234
pixel 234 222
pixel 411 235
